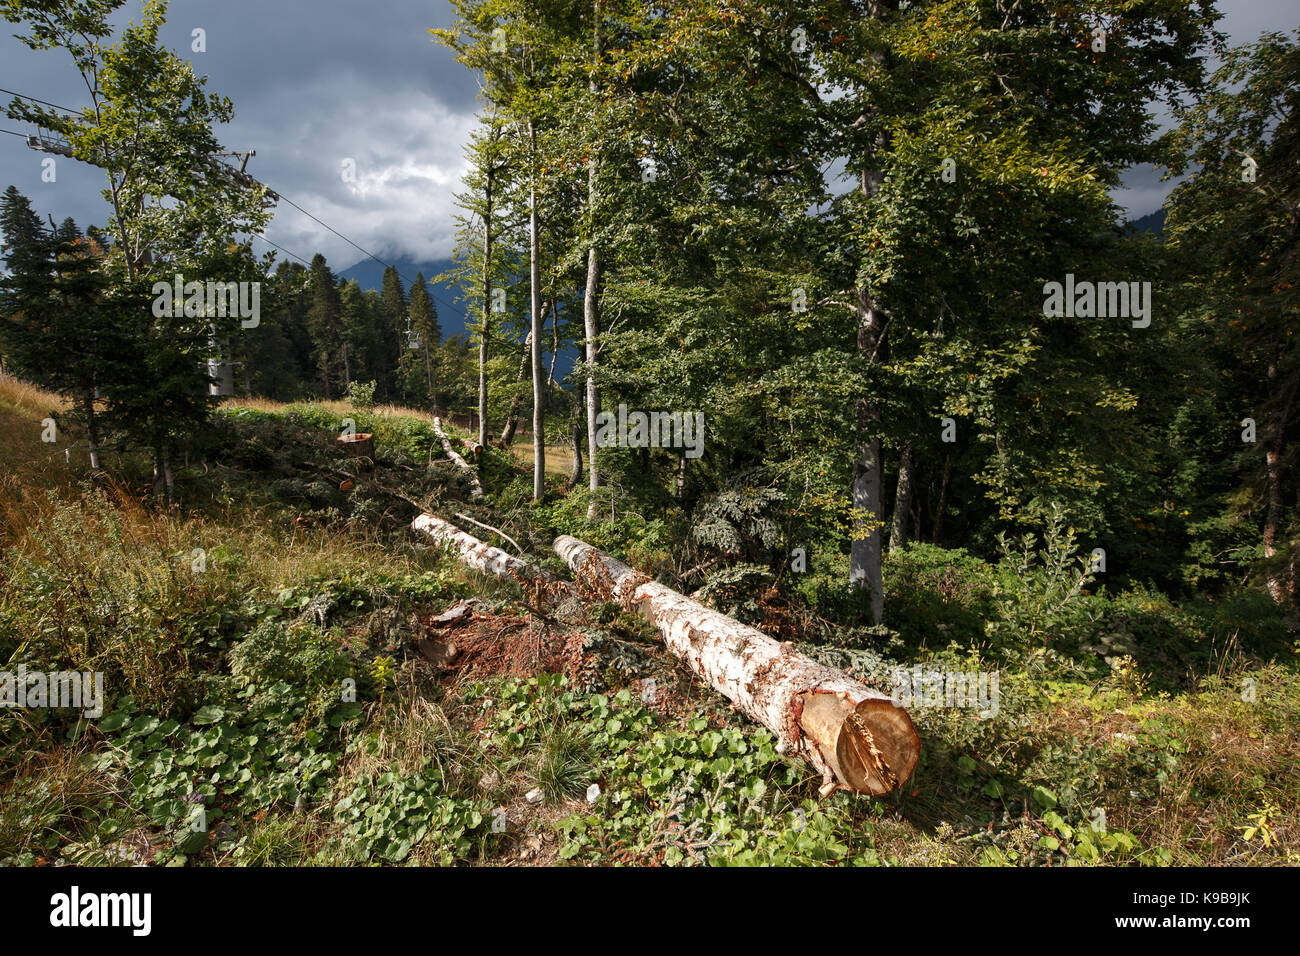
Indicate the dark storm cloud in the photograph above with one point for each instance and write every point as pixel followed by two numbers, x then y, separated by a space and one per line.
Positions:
pixel 318 82
pixel 314 84
pixel 1142 191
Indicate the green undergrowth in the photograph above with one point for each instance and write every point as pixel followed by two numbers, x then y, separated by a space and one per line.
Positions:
pixel 266 703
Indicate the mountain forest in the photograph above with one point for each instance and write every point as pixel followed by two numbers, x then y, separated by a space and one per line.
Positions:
pixel 802 459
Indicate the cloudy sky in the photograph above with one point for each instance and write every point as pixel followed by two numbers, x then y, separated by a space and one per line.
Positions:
pixel 318 82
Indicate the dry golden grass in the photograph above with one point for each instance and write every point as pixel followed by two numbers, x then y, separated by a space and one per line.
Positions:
pixel 264 553
pixel 338 407
pixel 24 458
pixel 558 458
pixel 31 400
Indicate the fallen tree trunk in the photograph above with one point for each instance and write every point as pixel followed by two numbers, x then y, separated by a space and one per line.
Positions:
pixel 475 489
pixel 856 736
pixel 480 555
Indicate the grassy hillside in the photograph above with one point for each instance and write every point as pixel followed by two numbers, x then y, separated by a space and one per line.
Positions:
pixel 274 670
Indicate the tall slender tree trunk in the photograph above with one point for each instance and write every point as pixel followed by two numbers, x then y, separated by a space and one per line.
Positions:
pixel 162 472
pixel 92 427
pixel 428 374
pixel 1275 582
pixel 1273 459
pixel 512 415
pixel 591 307
pixel 937 531
pixel 535 283
pixel 902 501
pixel 551 383
pixel 591 333
pixel 865 551
pixel 1293 575
pixel 487 309
pixel 575 473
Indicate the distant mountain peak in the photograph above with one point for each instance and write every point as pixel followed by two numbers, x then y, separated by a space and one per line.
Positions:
pixel 1153 222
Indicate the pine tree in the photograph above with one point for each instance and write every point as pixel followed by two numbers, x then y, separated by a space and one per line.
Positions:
pixel 26 253
pixel 324 321
pixel 56 316
pixel 392 317
pixel 424 324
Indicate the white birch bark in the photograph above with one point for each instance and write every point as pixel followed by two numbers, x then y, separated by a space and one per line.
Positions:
pixel 477 554
pixel 854 735
pixel 475 489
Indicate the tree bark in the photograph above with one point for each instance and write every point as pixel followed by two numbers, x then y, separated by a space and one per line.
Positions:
pixel 428 371
pixel 92 428
pixel 854 735
pixel 1274 582
pixel 575 473
pixel 487 309
pixel 478 554
pixel 864 554
pixel 902 501
pixel 535 283
pixel 591 331
pixel 591 306
pixel 865 550
pixel 475 489
pixel 512 416
pixel 1273 459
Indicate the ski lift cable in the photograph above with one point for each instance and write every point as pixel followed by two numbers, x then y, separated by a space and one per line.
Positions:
pixel 408 282
pixel 281 248
pixel 36 99
pixel 360 248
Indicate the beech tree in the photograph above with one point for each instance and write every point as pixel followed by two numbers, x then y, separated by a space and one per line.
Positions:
pixel 176 208
pixel 1234 227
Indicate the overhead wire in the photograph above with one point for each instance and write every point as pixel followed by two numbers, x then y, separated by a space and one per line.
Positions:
pixel 408 282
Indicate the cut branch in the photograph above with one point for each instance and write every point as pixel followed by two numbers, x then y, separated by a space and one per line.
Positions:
pixel 488 527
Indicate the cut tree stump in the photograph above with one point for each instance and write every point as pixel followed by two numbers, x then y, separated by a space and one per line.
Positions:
pixel 357 445
pixel 475 489
pixel 856 736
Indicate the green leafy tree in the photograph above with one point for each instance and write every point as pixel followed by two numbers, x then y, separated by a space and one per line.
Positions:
pixel 177 210
pixel 1235 241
